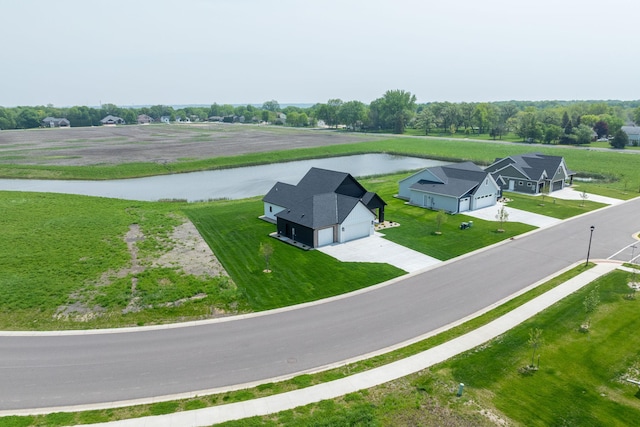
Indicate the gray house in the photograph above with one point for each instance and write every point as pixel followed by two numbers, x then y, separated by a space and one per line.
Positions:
pixel 325 207
pixel 55 122
pixel 530 173
pixel 112 120
pixel 454 188
pixel 633 132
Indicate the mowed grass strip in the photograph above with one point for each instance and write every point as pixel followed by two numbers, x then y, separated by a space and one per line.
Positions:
pixel 550 206
pixel 234 232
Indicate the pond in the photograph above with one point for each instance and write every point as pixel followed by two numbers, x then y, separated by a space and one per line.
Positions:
pixel 236 183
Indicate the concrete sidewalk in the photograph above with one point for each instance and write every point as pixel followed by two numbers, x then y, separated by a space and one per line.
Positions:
pixel 373 377
pixel 515 215
pixel 569 193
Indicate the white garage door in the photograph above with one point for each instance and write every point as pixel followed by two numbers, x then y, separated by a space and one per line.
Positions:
pixel 464 204
pixel 356 231
pixel 325 236
pixel 483 202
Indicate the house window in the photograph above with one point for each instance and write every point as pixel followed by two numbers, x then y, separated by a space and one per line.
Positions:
pixel 270 208
pixel 520 183
pixel 528 184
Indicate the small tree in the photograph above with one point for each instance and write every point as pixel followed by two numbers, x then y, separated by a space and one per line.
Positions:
pixel 535 341
pixel 266 250
pixel 502 216
pixel 545 191
pixel 441 218
pixel 590 304
pixel 584 196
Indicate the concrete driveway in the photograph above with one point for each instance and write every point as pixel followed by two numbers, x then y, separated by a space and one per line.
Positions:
pixel 515 215
pixel 569 193
pixel 377 249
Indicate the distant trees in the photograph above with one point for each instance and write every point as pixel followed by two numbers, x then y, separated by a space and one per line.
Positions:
pixel 271 106
pixel 329 112
pixel 353 114
pixel 550 122
pixel 394 110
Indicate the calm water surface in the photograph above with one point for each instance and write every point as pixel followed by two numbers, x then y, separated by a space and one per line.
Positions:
pixel 237 183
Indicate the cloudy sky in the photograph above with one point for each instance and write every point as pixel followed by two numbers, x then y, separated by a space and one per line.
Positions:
pixel 138 52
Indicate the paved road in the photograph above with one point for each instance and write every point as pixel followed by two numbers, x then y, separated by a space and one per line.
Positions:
pixel 46 371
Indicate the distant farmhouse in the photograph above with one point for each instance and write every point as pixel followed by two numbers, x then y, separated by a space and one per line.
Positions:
pixel 454 188
pixel 55 122
pixel 325 207
pixel 144 119
pixel 112 120
pixel 530 173
pixel 633 132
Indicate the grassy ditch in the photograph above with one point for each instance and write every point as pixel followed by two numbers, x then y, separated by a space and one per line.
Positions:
pixel 339 408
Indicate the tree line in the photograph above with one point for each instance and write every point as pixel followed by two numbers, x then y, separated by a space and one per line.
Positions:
pixel 563 122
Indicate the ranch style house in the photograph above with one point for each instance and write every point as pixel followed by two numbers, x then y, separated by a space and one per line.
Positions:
pixel 531 173
pixel 454 188
pixel 325 207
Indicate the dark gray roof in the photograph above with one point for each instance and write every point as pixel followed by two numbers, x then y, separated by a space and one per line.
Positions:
pixel 535 165
pixel 320 210
pixel 456 180
pixel 322 197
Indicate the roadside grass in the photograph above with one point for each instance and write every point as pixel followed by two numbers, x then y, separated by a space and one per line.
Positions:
pixel 580 377
pixel 234 232
pixel 394 405
pixel 553 207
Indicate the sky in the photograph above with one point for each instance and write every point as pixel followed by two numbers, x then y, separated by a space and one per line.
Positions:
pixel 148 52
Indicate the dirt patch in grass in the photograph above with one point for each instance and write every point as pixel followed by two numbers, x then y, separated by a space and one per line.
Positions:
pixel 185 251
pixel 190 253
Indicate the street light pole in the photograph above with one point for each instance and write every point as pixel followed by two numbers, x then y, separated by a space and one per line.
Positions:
pixel 589 249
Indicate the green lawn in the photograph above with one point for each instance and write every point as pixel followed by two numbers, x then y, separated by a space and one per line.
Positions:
pixel 550 206
pixel 418 226
pixel 63 250
pixel 234 232
pixel 580 377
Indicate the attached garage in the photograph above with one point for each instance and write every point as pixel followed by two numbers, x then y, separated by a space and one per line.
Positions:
pixel 464 204
pixel 325 236
pixel 484 201
pixel 355 231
